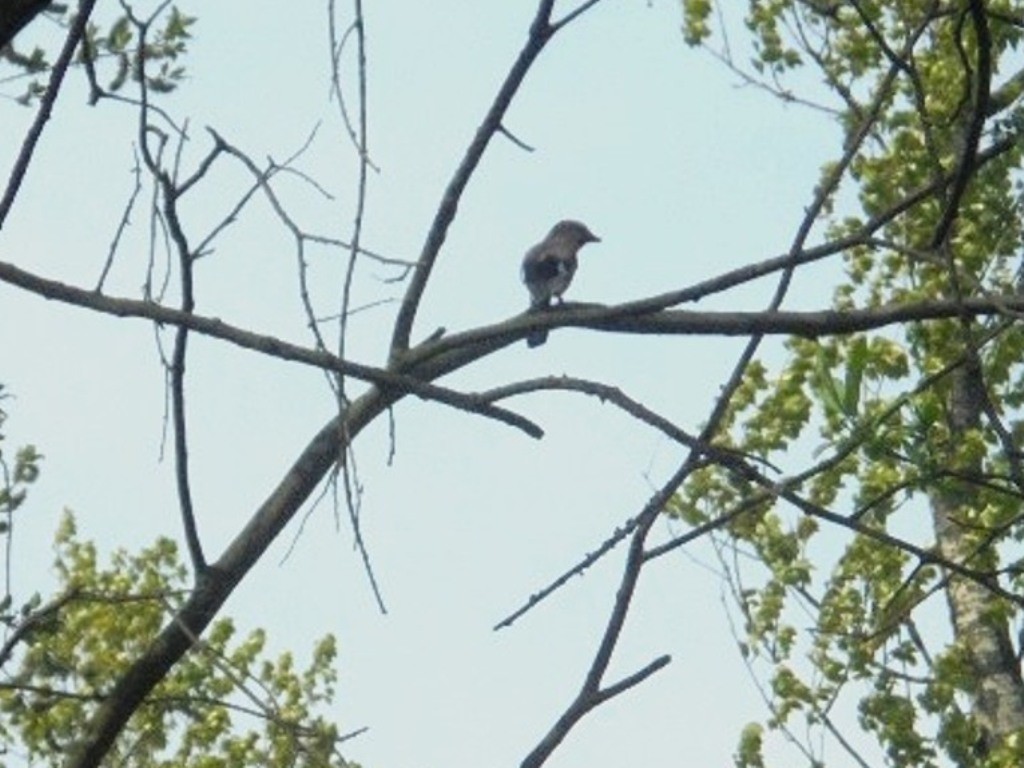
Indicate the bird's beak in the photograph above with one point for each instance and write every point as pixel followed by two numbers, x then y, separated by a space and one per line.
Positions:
pixel 593 238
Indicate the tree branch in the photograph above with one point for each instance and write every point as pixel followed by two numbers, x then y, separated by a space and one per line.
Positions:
pixel 618 318
pixel 15 15
pixel 268 345
pixel 35 132
pixel 540 33
pixel 219 580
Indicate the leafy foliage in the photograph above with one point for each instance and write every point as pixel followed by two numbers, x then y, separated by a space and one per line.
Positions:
pixel 917 427
pixel 226 704
pixel 129 48
pixel 16 476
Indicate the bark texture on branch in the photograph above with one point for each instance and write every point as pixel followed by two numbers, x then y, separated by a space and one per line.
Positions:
pixel 221 578
pixel 979 625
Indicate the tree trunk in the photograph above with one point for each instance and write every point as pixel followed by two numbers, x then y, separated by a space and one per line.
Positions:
pixel 980 628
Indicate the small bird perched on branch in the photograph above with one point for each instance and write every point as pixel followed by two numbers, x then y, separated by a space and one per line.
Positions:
pixel 548 267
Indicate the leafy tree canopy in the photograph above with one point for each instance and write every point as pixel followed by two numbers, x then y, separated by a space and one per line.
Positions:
pixel 228 703
pixel 917 427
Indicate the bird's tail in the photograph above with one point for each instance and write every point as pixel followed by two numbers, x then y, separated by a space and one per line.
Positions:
pixel 536 338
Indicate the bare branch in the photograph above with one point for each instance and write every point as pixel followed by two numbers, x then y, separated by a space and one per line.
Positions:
pixel 610 543
pixel 122 225
pixel 218 581
pixel 573 15
pixel 269 345
pixel 15 15
pixel 540 33
pixel 590 694
pixel 170 192
pixel 581 707
pixel 634 679
pixel 812 324
pixel 60 68
pixel 514 139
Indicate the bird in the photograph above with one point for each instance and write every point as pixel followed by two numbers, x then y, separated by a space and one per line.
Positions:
pixel 549 266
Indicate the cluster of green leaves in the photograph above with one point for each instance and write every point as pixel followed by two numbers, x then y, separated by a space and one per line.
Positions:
pixel 154 60
pixel 226 704
pixel 15 476
pixel 115 52
pixel 878 404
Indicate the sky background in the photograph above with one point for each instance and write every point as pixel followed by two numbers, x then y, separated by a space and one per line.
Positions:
pixel 682 172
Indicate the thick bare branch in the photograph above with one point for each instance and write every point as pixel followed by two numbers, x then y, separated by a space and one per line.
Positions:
pixel 811 324
pixel 15 15
pixel 220 579
pixel 269 345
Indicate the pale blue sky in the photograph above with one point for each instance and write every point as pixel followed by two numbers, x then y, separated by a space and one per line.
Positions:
pixel 682 173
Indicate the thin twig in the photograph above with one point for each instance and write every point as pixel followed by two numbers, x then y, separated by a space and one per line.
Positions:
pixel 122 225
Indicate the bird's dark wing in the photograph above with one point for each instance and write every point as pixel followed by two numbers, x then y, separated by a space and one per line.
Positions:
pixel 541 268
pixel 547 266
